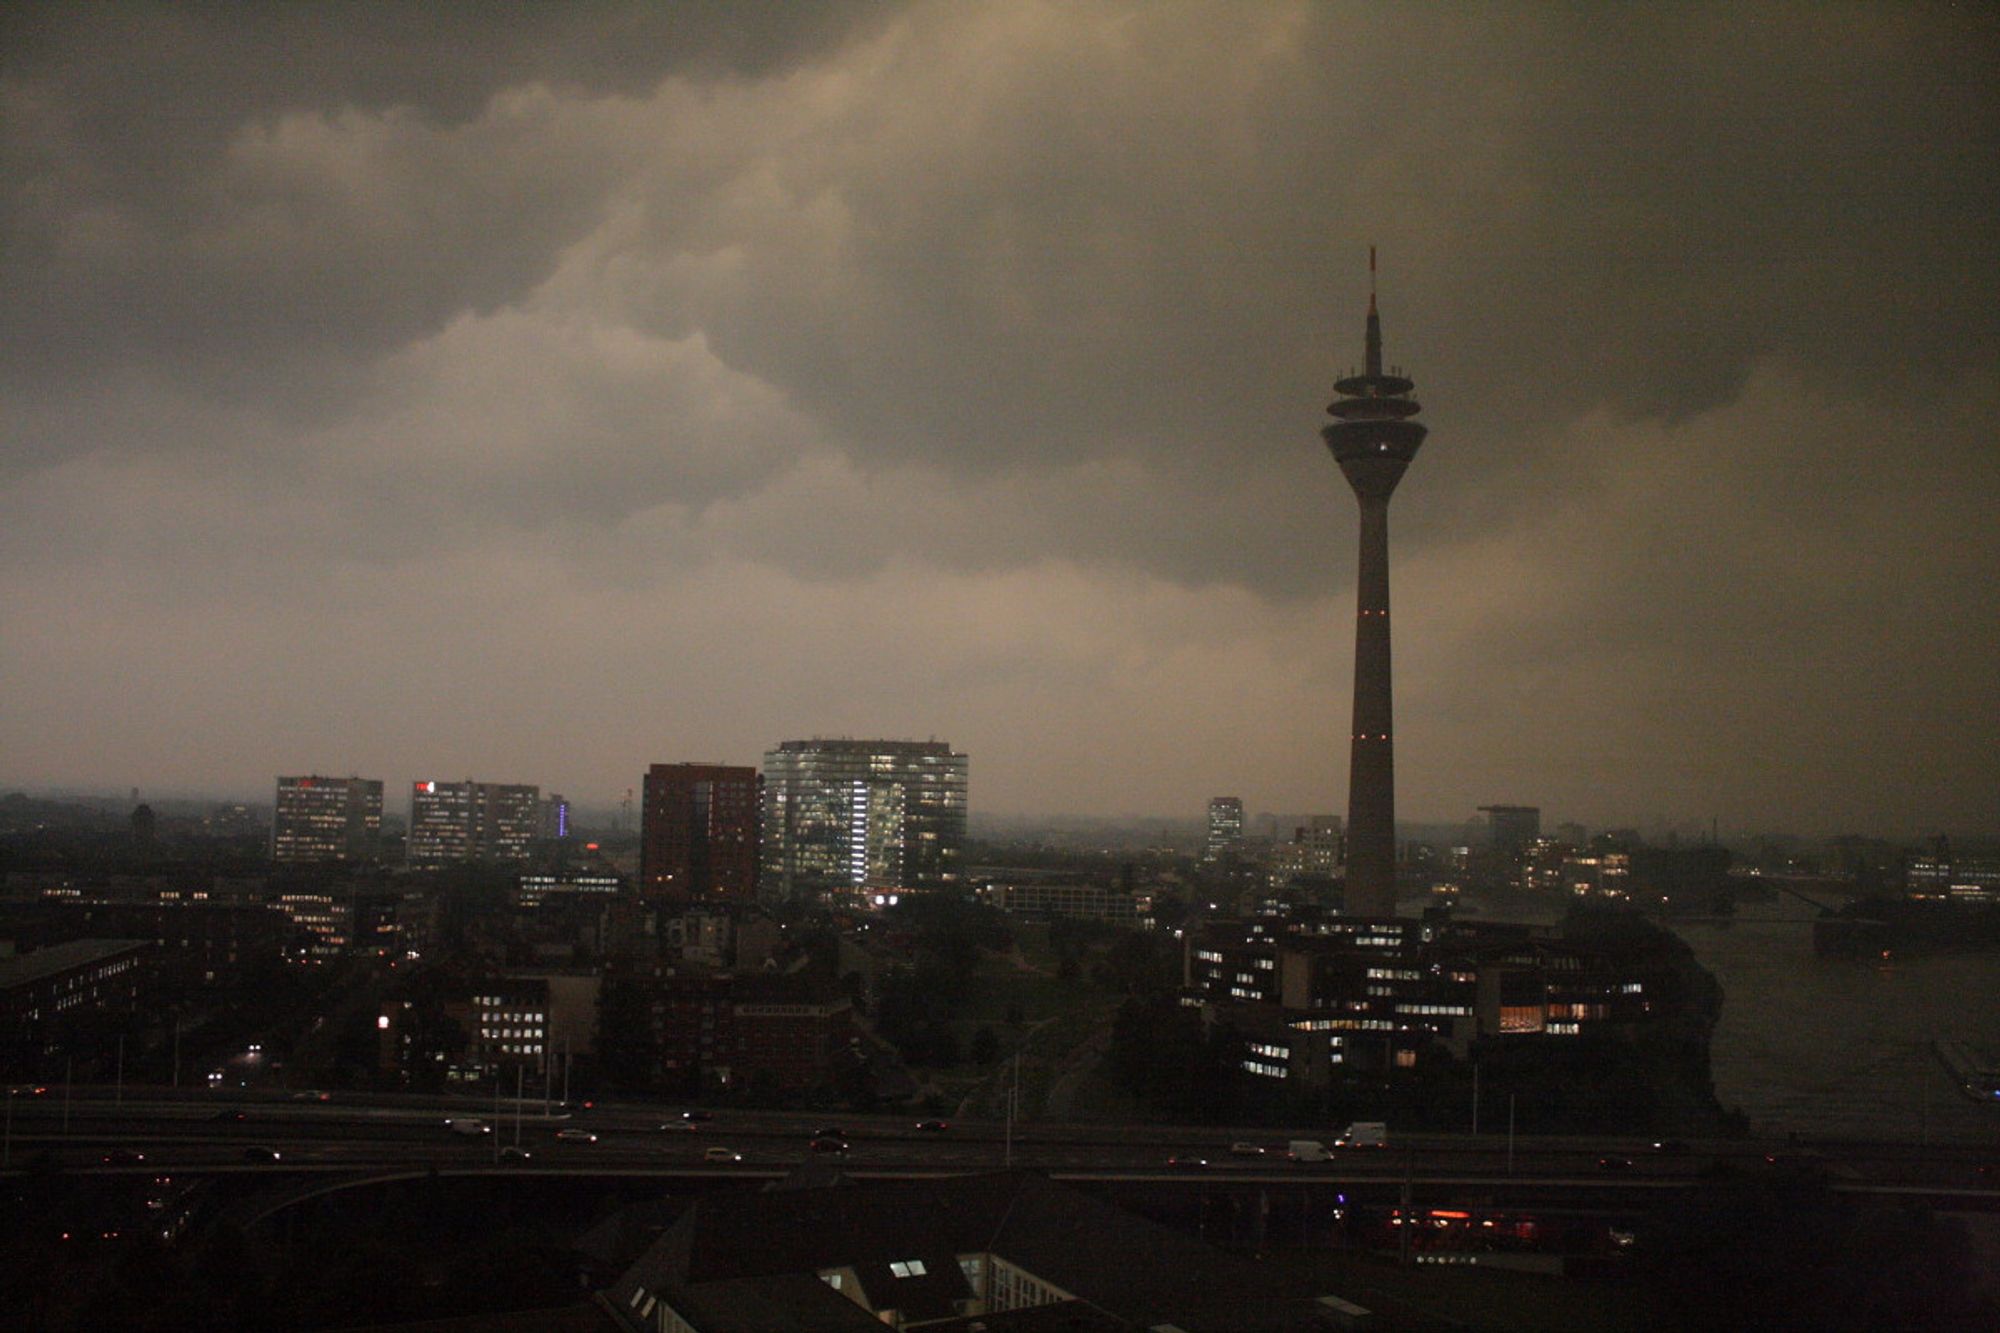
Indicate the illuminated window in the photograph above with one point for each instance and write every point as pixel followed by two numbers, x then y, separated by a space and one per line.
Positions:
pixel 907 1268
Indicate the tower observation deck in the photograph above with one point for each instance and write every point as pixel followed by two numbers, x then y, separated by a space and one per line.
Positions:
pixel 1373 437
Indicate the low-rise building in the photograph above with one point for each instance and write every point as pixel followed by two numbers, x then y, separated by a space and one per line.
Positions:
pixel 1046 895
pixel 39 990
pixel 1311 994
pixel 700 1030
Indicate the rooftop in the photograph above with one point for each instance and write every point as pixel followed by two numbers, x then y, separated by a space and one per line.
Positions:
pixel 25 969
pixel 761 1261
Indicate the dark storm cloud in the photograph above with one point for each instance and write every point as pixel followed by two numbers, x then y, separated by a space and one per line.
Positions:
pixel 216 184
pixel 712 353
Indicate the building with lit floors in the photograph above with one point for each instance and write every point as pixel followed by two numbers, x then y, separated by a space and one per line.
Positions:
pixel 471 821
pixel 506 1022
pixel 862 817
pixel 1312 995
pixel 319 818
pixel 1225 830
pixel 698 832
pixel 41 990
pixel 1374 438
pixel 1314 853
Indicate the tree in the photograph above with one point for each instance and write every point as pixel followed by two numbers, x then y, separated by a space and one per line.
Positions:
pixel 628 1057
pixel 985 1046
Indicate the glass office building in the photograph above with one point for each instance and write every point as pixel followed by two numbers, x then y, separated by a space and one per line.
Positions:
pixel 862 817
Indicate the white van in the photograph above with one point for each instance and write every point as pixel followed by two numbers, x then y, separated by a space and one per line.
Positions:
pixel 467 1126
pixel 1364 1134
pixel 1306 1150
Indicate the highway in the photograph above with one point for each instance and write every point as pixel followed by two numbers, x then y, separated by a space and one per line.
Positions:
pixel 149 1130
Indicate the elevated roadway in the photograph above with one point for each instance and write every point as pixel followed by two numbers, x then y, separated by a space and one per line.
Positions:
pixel 147 1131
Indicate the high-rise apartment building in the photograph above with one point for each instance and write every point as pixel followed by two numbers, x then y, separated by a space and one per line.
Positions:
pixel 847 816
pixel 471 821
pixel 698 832
pixel 1225 830
pixel 326 819
pixel 553 821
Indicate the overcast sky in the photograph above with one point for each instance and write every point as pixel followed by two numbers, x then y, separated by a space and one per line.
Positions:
pixel 535 392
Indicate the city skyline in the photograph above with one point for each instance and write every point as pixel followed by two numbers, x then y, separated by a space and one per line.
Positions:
pixel 552 394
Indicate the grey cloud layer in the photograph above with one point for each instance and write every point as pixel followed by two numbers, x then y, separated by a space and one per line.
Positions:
pixel 1001 297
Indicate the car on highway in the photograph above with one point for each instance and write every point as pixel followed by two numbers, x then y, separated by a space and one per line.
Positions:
pixel 1246 1150
pixel 228 1116
pixel 828 1144
pixel 312 1095
pixel 1795 1164
pixel 1187 1161
pixel 1611 1162
pixel 262 1155
pixel 678 1127
pixel 514 1152
pixel 934 1126
pixel 697 1117
pixel 469 1126
pixel 1669 1147
pixel 721 1155
pixel 123 1157
pixel 575 1136
pixel 830 1132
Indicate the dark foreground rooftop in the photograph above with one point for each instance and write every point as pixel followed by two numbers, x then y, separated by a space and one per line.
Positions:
pixel 1011 1252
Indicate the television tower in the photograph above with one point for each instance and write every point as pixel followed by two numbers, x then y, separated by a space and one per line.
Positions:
pixel 1373 439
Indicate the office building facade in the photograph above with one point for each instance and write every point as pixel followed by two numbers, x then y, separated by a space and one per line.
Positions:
pixel 862 817
pixel 1314 852
pixel 471 821
pixel 1225 830
pixel 326 819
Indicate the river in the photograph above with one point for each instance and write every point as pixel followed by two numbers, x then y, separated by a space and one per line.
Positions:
pixel 1835 1048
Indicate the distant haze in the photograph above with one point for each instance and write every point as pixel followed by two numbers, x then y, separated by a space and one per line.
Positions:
pixel 533 393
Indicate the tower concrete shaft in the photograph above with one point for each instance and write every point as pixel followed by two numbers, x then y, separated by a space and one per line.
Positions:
pixel 1373 438
pixel 1371 771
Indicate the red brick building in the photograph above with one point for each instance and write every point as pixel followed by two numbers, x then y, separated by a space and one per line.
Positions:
pixel 698 832
pixel 714 1030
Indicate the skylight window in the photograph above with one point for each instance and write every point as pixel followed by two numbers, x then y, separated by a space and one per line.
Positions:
pixel 907 1268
